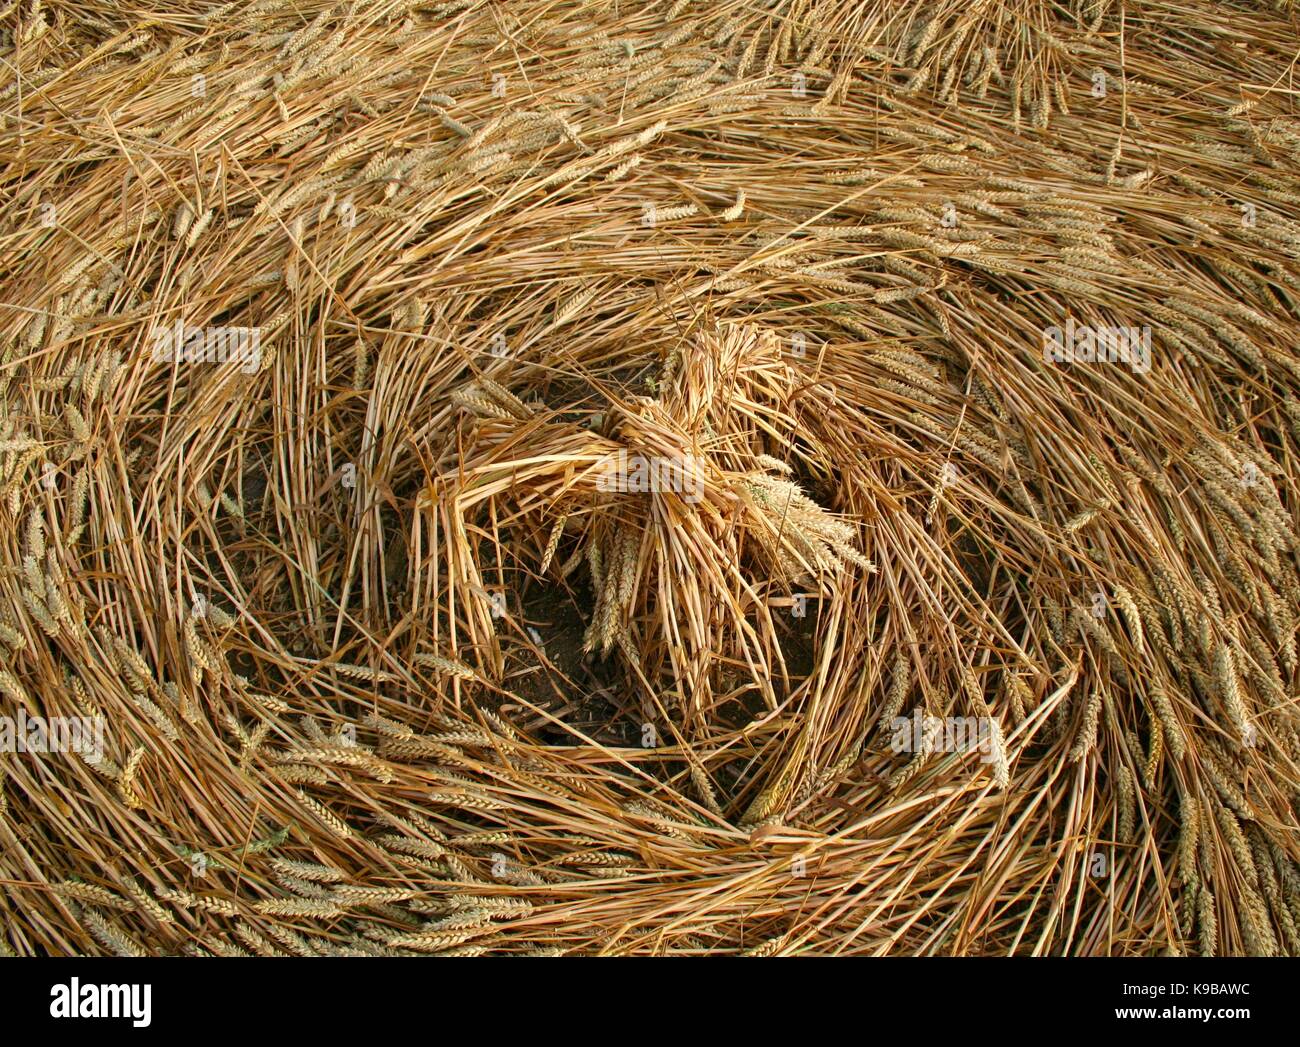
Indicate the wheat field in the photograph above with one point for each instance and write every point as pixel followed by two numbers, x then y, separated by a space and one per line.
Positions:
pixel 569 477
